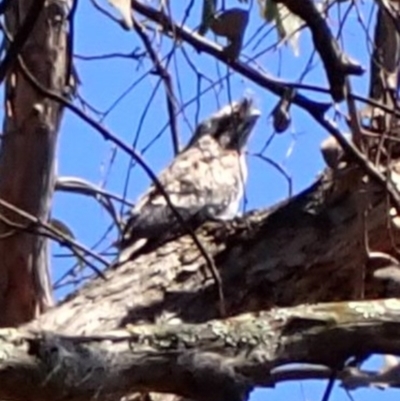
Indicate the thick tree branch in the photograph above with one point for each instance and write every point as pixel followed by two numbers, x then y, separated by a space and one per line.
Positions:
pixel 219 360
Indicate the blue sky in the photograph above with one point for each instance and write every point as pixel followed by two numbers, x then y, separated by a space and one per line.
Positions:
pixel 82 152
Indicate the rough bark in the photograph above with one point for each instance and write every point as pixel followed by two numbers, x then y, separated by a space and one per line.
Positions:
pixel 310 249
pixel 27 159
pixel 221 360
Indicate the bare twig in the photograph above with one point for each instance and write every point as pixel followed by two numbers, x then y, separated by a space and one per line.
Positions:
pixel 166 78
pixel 134 54
pixel 280 169
pixel 78 185
pixel 106 13
pixel 72 271
pixel 75 184
pixel 50 232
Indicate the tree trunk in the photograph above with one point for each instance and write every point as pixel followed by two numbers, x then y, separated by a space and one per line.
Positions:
pixel 27 159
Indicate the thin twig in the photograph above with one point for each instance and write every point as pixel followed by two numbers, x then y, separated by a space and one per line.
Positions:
pixel 134 54
pixel 329 387
pixel 51 232
pixel 166 78
pixel 278 167
pixel 83 187
pixel 75 184
pixel 106 13
pixel 72 270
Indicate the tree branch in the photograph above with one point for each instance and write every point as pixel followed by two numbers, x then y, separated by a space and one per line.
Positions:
pixel 33 225
pixel 336 63
pixel 166 78
pixel 220 360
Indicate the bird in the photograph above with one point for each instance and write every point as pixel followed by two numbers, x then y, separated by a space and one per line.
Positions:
pixel 205 181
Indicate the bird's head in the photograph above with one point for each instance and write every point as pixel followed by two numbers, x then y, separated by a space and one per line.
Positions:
pixel 230 126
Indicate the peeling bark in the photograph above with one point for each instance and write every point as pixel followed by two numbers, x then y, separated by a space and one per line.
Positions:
pixel 27 160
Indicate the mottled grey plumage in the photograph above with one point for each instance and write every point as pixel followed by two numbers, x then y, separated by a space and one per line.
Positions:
pixel 205 181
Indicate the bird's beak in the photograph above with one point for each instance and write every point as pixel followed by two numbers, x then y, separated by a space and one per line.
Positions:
pixel 253 114
pixel 249 115
pixel 248 110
